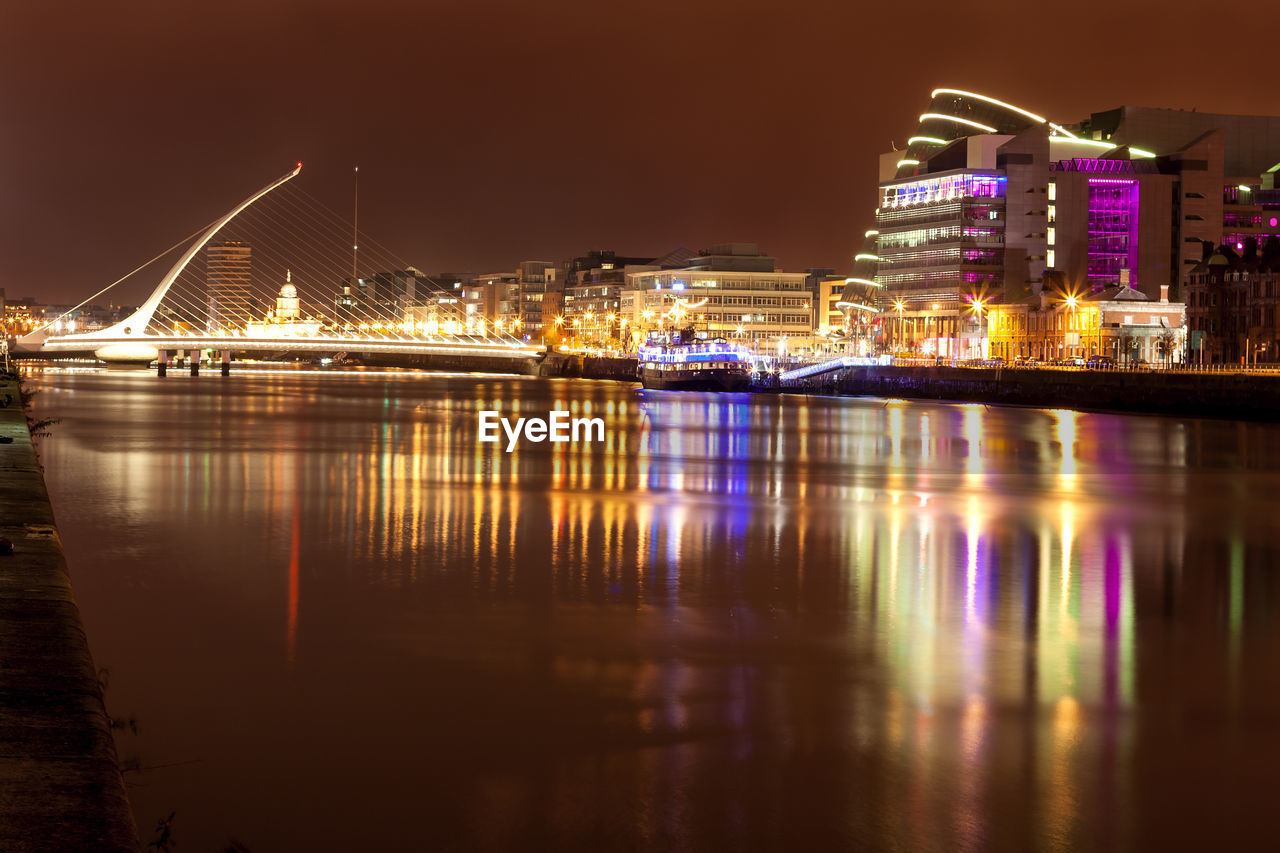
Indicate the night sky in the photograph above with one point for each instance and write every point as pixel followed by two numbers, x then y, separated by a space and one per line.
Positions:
pixel 491 132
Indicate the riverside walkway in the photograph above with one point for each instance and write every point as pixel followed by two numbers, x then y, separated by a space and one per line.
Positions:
pixel 60 783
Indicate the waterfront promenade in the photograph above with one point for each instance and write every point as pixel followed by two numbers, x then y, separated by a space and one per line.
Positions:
pixel 60 783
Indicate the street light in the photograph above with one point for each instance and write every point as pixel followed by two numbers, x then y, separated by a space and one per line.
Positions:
pixel 898 305
pixel 977 304
pixel 1070 301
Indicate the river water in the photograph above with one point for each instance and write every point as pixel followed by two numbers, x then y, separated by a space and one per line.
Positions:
pixel 340 622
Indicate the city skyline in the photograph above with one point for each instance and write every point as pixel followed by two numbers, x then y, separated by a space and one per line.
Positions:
pixel 501 137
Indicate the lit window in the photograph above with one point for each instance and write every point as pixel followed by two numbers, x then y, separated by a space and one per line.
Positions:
pixel 1053 191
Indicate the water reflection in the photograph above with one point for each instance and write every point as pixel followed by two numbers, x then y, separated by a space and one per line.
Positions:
pixel 738 621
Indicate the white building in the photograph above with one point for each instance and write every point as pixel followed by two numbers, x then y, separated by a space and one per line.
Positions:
pixel 732 292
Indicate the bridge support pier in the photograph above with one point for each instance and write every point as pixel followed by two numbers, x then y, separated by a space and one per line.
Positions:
pixel 162 363
pixel 226 362
pixel 193 358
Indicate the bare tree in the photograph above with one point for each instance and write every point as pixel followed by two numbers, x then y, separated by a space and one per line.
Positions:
pixel 1128 343
pixel 1165 345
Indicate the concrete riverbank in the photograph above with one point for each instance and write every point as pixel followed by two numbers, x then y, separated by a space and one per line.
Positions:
pixel 60 783
pixel 1227 395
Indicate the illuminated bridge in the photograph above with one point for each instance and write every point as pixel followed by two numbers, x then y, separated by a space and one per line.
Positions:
pixel 205 301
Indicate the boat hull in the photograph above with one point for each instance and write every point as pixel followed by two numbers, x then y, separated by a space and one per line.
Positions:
pixel 717 379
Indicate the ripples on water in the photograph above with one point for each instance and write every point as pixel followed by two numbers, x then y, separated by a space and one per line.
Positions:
pixel 739 622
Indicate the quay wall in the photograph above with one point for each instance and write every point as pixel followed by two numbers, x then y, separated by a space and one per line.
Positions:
pixel 1235 395
pixel 60 782
pixel 569 365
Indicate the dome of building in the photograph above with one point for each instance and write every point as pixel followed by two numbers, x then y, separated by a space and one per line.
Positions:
pixel 288 306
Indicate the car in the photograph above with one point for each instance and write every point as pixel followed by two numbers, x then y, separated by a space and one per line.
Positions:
pixel 1099 362
pixel 1139 364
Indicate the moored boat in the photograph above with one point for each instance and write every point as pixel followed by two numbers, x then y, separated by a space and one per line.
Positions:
pixel 694 365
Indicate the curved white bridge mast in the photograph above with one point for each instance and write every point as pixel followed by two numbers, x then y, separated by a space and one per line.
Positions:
pixel 136 323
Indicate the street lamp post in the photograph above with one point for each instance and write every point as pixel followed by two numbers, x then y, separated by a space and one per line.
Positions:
pixel 895 345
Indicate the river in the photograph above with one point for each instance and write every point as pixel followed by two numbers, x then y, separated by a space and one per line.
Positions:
pixel 341 622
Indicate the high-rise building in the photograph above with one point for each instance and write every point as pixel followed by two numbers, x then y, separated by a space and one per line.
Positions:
pixel 988 198
pixel 229 285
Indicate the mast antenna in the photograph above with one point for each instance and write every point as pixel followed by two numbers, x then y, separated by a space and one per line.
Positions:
pixel 355 225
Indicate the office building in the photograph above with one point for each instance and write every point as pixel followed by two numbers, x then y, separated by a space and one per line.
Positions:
pixel 731 291
pixel 229 285
pixel 988 199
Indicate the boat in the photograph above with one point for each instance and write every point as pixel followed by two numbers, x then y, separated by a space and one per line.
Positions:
pixel 683 362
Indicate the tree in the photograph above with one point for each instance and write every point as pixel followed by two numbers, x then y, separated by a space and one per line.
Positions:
pixel 1165 345
pixel 1128 343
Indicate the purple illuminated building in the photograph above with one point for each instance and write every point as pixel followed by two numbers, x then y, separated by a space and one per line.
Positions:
pixel 1110 223
pixel 1113 229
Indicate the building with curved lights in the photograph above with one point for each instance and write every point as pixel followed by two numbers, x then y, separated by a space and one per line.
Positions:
pixel 988 197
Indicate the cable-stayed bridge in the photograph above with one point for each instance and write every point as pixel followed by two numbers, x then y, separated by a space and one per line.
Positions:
pixel 274 277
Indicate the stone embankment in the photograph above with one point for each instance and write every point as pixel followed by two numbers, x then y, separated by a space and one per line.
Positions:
pixel 1235 395
pixel 60 783
pixel 589 367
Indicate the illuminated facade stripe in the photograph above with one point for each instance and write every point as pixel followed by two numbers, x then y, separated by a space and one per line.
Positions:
pixel 1038 119
pixel 1098 143
pixel 902 163
pixel 857 305
pixel 864 281
pixel 871 232
pixel 976 96
pixel 942 116
pixel 866 256
pixel 928 140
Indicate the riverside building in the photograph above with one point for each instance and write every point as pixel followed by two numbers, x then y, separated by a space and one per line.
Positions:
pixel 1118 322
pixel 593 288
pixel 988 198
pixel 731 291
pixel 1233 303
